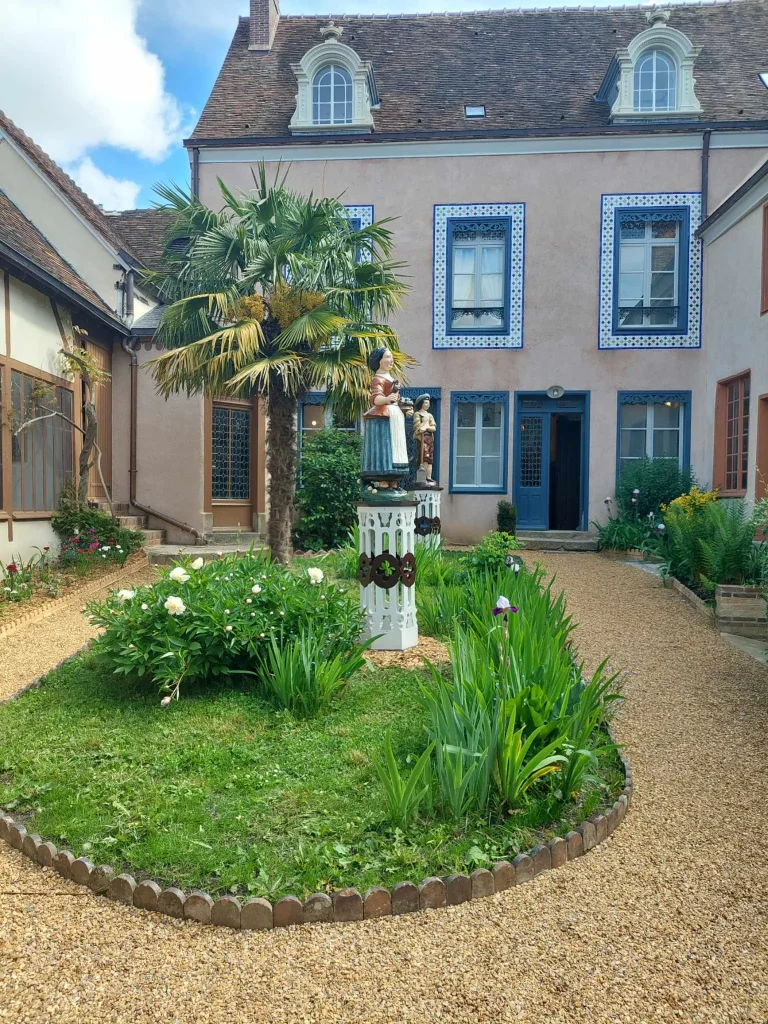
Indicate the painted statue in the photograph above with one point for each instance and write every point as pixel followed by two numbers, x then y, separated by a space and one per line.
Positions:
pixel 385 453
pixel 424 429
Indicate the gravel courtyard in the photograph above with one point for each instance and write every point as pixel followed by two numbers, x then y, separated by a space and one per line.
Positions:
pixel 666 921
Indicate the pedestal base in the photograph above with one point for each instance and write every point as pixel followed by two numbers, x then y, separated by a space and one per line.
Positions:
pixel 428 524
pixel 387 571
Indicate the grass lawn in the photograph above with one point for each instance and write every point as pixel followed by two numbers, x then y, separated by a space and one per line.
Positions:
pixel 222 792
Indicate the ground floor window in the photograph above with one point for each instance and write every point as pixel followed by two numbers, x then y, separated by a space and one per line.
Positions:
pixel 315 415
pixel 479 433
pixel 41 453
pixel 654 426
pixel 732 412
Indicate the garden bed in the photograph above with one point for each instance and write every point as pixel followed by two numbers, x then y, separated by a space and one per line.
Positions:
pixel 227 795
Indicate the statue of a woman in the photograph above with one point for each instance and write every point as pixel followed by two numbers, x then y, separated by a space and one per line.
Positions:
pixel 424 429
pixel 385 453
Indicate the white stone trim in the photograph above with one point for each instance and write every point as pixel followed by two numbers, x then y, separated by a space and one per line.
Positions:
pixel 748 203
pixel 683 53
pixel 332 51
pixel 454 148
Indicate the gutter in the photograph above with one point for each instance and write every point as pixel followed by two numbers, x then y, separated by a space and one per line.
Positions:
pixel 705 144
pixel 132 464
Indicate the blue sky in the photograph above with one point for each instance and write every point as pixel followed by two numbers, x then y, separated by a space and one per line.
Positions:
pixel 110 87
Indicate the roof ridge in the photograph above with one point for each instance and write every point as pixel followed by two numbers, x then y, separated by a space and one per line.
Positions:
pixel 595 9
pixel 42 159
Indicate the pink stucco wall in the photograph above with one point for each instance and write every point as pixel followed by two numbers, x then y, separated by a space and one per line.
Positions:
pixel 562 193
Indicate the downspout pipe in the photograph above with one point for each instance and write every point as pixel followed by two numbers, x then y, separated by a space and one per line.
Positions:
pixel 705 173
pixel 195 172
pixel 132 462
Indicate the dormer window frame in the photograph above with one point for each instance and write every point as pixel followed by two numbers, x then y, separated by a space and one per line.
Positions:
pixel 332 52
pixel 679 50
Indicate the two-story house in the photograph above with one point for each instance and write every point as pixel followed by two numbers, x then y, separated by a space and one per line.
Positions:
pixel 549 170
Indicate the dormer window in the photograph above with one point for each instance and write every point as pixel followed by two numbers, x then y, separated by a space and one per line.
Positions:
pixel 332 96
pixel 337 90
pixel 655 83
pixel 653 77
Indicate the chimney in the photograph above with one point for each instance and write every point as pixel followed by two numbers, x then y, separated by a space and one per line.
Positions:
pixel 265 15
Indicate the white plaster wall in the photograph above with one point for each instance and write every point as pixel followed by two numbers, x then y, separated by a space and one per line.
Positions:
pixel 64 228
pixel 735 334
pixel 35 337
pixel 28 536
pixel 562 193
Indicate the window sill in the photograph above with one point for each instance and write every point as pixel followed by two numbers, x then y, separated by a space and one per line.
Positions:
pixel 477 490
pixel 42 514
pixel 722 493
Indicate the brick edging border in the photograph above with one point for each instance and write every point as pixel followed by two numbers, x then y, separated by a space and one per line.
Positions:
pixel 346 905
pixel 705 610
pixel 89 588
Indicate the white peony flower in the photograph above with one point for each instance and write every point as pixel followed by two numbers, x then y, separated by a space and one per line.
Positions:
pixel 165 702
pixel 175 606
pixel 315 575
pixel 256 589
pixel 125 595
pixel 145 607
pixel 248 600
pixel 198 564
pixel 179 574
pixel 228 629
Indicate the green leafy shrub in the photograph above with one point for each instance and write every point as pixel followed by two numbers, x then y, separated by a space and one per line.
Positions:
pixel 627 533
pixel 210 621
pixel 506 517
pixel 714 543
pixel 490 555
pixel 88 535
pixel 329 491
pixel 658 481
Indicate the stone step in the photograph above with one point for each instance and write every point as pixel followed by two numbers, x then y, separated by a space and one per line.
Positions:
pixel 119 507
pixel 166 554
pixel 152 538
pixel 240 539
pixel 132 522
pixel 557 540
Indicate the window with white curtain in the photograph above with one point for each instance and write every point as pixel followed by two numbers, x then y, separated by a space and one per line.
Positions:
pixel 649 271
pixel 479 445
pixel 478 296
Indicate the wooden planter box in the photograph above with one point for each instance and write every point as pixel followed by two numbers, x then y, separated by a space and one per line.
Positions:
pixel 741 610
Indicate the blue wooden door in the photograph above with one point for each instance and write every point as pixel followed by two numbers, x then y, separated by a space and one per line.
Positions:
pixel 531 455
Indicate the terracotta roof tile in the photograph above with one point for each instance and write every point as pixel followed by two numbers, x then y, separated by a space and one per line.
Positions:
pixel 145 232
pixel 20 234
pixel 533 69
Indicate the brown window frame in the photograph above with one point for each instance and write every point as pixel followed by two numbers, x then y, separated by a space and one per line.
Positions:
pixel 764 269
pixel 723 417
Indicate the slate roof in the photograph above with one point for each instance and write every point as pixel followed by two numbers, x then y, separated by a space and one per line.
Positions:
pixel 535 70
pixel 145 232
pixel 20 236
pixel 62 181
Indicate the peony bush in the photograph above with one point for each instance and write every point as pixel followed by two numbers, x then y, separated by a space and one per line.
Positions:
pixel 204 621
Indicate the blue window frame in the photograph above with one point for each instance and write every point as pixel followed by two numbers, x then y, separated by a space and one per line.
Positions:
pixel 651 270
pixel 654 425
pixel 479 442
pixel 478 275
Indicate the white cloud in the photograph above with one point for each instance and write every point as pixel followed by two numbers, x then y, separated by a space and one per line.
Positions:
pixel 111 193
pixel 77 75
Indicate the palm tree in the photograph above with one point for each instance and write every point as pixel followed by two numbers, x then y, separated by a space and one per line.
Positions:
pixel 274 295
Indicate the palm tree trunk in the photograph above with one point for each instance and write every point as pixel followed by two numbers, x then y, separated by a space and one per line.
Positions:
pixel 281 467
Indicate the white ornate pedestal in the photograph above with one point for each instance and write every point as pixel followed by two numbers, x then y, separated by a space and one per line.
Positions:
pixel 428 528
pixel 387 572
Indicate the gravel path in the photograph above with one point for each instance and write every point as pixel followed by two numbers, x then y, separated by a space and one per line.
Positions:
pixel 666 921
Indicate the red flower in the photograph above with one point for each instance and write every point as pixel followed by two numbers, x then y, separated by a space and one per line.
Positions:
pixel 12 567
pixel 46 549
